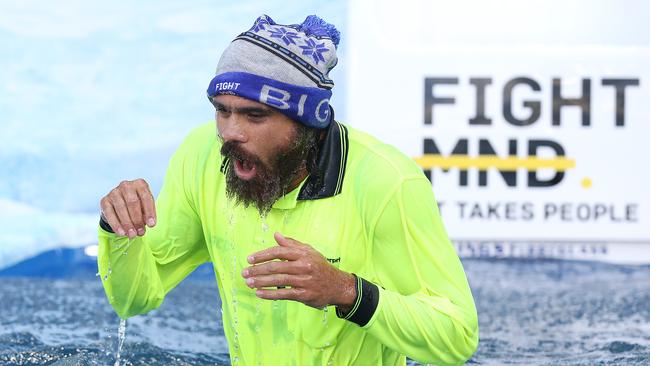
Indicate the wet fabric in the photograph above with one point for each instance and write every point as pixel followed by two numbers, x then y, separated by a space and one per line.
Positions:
pixel 383 225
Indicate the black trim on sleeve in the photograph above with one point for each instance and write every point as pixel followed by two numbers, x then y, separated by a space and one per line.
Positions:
pixel 104 225
pixel 365 305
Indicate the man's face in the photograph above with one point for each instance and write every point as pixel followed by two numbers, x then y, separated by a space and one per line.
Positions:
pixel 267 153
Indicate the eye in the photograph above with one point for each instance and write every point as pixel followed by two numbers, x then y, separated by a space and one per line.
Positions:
pixel 222 111
pixel 256 116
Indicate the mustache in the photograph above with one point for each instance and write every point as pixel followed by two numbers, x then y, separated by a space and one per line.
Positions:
pixel 233 150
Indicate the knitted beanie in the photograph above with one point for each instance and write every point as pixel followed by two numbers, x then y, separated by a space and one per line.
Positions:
pixel 283 66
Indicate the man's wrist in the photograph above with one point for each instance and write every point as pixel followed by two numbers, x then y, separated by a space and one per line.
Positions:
pixel 365 304
pixel 348 295
pixel 103 223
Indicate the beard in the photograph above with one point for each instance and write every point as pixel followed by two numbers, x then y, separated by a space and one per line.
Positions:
pixel 274 180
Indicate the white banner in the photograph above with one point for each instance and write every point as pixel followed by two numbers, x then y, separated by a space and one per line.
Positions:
pixel 535 135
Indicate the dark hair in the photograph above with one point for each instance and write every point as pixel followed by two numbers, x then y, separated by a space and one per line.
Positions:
pixel 309 137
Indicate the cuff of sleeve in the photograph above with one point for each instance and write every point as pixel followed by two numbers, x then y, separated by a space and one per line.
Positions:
pixel 365 304
pixel 104 225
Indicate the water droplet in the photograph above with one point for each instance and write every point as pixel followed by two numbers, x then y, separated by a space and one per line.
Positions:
pixel 97 274
pixel 236 360
pixel 121 334
pixel 110 271
pixel 105 277
pixel 325 316
pixel 265 227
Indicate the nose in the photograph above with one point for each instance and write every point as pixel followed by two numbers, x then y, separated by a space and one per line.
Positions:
pixel 231 128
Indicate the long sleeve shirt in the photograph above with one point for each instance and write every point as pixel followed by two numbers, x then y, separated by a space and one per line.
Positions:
pixel 368 209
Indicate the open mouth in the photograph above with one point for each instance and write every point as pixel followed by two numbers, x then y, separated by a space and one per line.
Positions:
pixel 244 169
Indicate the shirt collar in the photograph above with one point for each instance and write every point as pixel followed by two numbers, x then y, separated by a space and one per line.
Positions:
pixel 327 180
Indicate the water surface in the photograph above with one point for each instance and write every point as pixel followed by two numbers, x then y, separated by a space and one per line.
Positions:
pixel 530 313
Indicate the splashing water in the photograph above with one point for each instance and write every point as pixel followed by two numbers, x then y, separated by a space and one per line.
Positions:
pixel 265 229
pixel 258 338
pixel 234 305
pixel 258 312
pixel 121 335
pixel 234 273
pixel 325 316
pixel 108 273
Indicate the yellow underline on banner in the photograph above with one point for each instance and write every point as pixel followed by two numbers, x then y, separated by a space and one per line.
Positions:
pixel 492 161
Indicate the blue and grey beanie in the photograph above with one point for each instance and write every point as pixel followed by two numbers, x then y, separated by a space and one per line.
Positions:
pixel 284 66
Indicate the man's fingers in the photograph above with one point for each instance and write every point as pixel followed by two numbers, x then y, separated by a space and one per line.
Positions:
pixel 272 267
pixel 148 204
pixel 296 294
pixel 275 280
pixel 129 207
pixel 286 242
pixel 123 214
pixel 272 253
pixel 135 210
pixel 111 218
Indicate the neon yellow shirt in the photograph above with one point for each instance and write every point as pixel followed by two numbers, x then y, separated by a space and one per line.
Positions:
pixel 372 213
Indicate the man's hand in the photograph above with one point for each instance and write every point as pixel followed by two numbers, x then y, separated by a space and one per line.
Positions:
pixel 301 274
pixel 128 207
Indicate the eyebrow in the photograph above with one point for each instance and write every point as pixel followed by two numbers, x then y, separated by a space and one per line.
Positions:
pixel 243 110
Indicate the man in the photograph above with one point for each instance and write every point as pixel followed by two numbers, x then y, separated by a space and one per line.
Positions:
pixel 327 245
